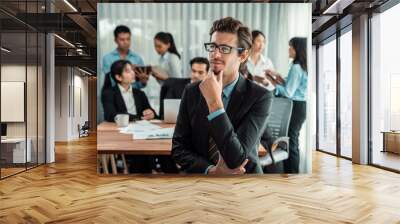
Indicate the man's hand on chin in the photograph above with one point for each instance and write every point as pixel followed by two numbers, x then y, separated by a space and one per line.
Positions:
pixel 211 89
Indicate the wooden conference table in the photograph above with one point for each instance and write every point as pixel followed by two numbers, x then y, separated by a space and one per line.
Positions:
pixel 110 143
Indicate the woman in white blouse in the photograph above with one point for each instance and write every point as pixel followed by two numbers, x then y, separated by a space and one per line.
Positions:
pixel 169 64
pixel 257 63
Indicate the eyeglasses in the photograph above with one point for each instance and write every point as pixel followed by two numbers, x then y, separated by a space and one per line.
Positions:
pixel 223 49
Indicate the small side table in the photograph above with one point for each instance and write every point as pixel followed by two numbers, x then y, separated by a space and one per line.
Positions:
pixel 391 141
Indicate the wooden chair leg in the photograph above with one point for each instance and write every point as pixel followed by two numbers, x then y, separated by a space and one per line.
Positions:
pixel 98 163
pixel 104 162
pixel 113 164
pixel 124 164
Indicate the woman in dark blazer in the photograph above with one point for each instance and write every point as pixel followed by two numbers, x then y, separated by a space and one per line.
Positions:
pixel 122 98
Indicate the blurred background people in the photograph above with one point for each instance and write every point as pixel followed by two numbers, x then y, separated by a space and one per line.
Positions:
pixel 169 63
pixel 294 87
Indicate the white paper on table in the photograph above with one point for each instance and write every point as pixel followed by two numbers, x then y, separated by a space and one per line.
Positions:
pixel 139 126
pixel 157 121
pixel 163 133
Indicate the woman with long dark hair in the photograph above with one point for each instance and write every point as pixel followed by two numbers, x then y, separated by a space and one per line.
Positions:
pixel 169 63
pixel 294 87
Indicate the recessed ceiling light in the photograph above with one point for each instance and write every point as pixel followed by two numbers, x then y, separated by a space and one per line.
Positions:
pixel 84 71
pixel 64 40
pixel 337 7
pixel 5 50
pixel 70 5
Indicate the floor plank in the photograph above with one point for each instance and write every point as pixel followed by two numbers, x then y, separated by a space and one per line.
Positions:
pixel 70 191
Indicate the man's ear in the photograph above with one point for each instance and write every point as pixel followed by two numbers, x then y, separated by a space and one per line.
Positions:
pixel 244 55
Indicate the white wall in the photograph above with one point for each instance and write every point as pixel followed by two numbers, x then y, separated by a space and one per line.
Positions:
pixel 71 94
pixel 16 73
pixel 33 126
pixel 81 104
pixel 61 103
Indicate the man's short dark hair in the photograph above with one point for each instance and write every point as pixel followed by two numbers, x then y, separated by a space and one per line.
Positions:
pixel 121 29
pixel 234 26
pixel 200 60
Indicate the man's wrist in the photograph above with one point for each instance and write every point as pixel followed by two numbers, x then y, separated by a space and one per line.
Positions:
pixel 211 169
pixel 215 105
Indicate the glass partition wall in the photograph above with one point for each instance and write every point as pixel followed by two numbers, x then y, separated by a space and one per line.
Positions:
pixel 334 96
pixel 327 96
pixel 345 61
pixel 22 76
pixel 334 57
pixel 385 90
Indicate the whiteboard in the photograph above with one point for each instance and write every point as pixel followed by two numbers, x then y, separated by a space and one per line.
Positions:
pixel 12 101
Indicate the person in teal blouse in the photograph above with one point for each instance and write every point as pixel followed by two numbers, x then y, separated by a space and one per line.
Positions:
pixel 294 87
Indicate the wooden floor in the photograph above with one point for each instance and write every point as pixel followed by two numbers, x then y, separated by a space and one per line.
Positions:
pixel 10 171
pixel 70 191
pixel 387 159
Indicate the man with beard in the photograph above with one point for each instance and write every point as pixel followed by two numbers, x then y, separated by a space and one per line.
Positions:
pixel 221 119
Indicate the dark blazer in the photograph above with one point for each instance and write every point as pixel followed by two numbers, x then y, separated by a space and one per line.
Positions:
pixel 172 88
pixel 236 133
pixel 114 104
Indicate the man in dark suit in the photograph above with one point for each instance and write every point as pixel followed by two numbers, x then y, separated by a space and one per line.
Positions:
pixel 221 119
pixel 173 87
pixel 199 67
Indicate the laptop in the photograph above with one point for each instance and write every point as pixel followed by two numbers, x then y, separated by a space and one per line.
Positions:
pixel 171 109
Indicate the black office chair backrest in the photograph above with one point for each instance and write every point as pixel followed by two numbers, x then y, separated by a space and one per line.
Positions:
pixel 279 116
pixel 86 125
pixel 172 88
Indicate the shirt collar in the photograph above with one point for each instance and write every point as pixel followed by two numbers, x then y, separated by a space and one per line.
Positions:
pixel 165 56
pixel 122 89
pixel 115 52
pixel 227 91
pixel 261 60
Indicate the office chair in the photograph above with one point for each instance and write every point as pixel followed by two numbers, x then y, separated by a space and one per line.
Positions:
pixel 277 126
pixel 84 130
pixel 172 88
